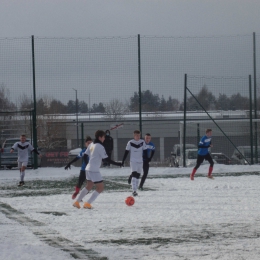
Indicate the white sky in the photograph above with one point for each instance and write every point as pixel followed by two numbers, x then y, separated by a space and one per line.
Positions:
pixel 97 18
pixel 164 63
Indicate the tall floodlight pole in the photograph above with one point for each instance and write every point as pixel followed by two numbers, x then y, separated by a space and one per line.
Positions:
pixel 77 118
pixel 35 158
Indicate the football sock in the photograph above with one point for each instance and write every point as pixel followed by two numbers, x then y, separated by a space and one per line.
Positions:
pixel 82 194
pixel 22 174
pixel 210 170
pixel 137 183
pixel 93 197
pixel 133 184
pixel 193 172
pixel 77 189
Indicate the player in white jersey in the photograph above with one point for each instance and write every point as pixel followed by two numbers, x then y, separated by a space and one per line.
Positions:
pixel 136 147
pixel 97 154
pixel 23 148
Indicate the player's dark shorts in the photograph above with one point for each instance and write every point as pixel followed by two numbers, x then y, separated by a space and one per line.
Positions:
pixel 201 158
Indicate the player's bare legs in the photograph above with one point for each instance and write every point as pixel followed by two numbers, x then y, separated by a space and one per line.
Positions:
pixel 22 174
pixel 99 187
pixel 89 185
pixel 95 194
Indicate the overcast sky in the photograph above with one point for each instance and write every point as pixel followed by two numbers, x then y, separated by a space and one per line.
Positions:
pixel 97 18
pixel 94 65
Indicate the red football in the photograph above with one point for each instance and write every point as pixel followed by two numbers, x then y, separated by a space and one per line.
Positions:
pixel 130 201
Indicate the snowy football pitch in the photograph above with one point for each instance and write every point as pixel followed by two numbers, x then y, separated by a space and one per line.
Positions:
pixel 173 218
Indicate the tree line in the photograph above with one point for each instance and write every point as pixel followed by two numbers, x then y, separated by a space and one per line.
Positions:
pixel 116 109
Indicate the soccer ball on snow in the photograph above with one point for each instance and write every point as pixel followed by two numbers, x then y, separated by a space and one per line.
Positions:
pixel 130 201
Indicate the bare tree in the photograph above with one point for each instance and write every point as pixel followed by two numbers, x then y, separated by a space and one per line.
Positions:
pixel 115 109
pixel 24 102
pixel 5 102
pixel 50 132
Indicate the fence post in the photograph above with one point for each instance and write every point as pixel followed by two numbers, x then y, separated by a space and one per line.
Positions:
pixel 35 158
pixel 82 136
pixel 251 121
pixel 214 121
pixel 198 133
pixel 0 148
pixel 184 121
pixel 139 83
pixel 31 125
pixel 255 98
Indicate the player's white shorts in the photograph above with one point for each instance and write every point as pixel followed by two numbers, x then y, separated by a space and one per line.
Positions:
pixel 20 164
pixel 136 167
pixel 94 176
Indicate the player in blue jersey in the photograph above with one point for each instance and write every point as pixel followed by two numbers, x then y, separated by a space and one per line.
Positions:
pixel 203 154
pixel 147 157
pixel 82 175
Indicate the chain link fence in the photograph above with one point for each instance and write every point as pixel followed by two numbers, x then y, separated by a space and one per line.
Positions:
pixel 136 82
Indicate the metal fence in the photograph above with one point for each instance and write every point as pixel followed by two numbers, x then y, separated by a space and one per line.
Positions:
pixel 136 81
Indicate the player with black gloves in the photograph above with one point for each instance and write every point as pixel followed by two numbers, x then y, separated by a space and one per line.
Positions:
pixel 23 148
pixel 82 174
pixel 147 157
pixel 136 147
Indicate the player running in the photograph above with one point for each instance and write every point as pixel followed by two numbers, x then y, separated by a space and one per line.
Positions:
pixel 136 147
pixel 203 154
pixel 82 174
pixel 23 148
pixel 97 154
pixel 147 157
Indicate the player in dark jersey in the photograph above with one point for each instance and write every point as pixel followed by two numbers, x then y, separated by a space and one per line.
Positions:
pixel 203 154
pixel 82 174
pixel 109 146
pixel 23 148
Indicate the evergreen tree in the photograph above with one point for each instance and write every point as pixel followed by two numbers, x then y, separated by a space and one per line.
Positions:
pixel 71 106
pixel 83 107
pixel 150 102
pixel 163 104
pixel 57 107
pixel 238 102
pixel 97 108
pixel 223 102
pixel 41 107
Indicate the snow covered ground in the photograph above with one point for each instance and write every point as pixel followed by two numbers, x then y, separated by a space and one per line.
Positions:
pixel 173 218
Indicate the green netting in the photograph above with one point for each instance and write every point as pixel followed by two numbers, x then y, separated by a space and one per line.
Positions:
pixel 103 73
pixel 224 106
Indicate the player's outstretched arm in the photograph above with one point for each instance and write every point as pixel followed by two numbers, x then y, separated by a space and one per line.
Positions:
pixel 13 148
pixel 108 160
pixel 69 164
pixel 35 151
pixel 152 154
pixel 86 158
pixel 204 146
pixel 125 155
